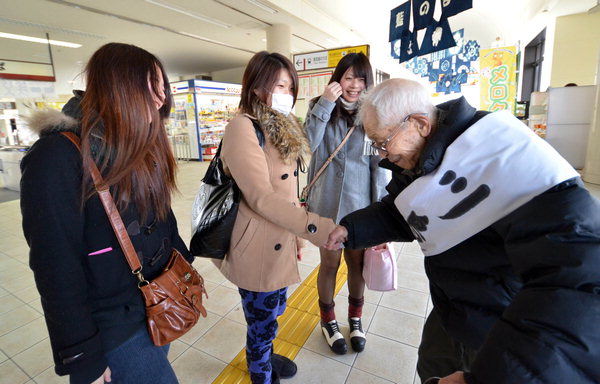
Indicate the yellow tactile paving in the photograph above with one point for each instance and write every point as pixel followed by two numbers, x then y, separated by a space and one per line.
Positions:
pixel 295 326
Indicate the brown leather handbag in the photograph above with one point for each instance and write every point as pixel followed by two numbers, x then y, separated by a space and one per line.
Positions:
pixel 174 299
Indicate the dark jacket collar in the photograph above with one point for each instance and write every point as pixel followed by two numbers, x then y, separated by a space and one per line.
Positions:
pixel 454 117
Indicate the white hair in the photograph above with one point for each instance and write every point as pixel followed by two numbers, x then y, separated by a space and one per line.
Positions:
pixel 394 99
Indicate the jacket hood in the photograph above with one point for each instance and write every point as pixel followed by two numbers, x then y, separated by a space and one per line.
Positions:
pixel 46 121
pixel 284 132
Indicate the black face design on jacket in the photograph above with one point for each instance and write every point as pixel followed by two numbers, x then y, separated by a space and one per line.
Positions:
pixel 418 223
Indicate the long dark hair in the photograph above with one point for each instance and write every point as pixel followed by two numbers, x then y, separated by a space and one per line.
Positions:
pixel 261 75
pixel 123 133
pixel 361 66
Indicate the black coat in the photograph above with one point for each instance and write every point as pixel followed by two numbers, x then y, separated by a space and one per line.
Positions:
pixel 91 302
pixel 524 292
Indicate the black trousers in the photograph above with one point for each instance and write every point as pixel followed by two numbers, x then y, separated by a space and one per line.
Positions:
pixel 439 354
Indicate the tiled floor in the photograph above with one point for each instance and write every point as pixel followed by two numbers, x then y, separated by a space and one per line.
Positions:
pixel 393 320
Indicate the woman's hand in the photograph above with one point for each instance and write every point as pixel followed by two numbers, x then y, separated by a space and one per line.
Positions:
pixel 336 238
pixel 332 91
pixel 105 378
pixel 299 245
pixel 457 377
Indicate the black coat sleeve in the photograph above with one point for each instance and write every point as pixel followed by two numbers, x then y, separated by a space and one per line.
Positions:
pixel 380 222
pixel 176 240
pixel 53 224
pixel 550 331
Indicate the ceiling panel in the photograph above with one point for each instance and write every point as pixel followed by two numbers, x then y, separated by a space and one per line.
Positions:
pixel 188 45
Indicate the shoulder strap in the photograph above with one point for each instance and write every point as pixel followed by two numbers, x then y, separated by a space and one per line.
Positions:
pixel 113 214
pixel 260 135
pixel 306 189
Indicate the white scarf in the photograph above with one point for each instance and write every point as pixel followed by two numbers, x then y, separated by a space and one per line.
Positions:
pixel 493 168
pixel 367 149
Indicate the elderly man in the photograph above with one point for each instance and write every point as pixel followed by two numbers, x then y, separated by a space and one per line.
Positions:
pixel 511 240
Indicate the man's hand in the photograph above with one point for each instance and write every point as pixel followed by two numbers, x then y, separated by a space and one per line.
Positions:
pixel 457 377
pixel 105 378
pixel 336 238
pixel 332 91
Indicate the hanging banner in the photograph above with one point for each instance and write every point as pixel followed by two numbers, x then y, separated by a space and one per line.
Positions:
pixel 437 37
pixel 422 13
pixel 325 59
pixel 454 7
pixel 409 47
pixel 399 21
pixel 498 78
pixel 395 51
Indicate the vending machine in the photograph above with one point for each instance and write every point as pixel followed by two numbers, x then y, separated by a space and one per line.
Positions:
pixel 201 110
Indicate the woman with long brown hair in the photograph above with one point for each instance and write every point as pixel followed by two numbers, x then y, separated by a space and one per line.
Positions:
pixel 93 308
pixel 261 150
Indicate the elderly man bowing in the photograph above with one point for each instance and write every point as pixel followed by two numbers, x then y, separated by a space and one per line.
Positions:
pixel 510 235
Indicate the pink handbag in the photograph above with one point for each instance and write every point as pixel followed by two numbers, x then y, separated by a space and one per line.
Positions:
pixel 379 269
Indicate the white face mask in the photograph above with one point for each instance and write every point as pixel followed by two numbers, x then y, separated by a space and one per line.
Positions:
pixel 282 102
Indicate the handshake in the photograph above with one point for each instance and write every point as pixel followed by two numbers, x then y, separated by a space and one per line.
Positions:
pixel 336 239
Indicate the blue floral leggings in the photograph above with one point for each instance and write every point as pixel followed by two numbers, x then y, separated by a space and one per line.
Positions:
pixel 261 310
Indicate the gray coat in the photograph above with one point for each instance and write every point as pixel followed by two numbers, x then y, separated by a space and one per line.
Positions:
pixel 352 180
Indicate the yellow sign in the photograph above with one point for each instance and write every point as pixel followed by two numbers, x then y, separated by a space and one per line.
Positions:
pixel 335 55
pixel 498 78
pixel 325 59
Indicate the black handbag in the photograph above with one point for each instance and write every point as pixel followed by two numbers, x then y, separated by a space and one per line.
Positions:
pixel 215 208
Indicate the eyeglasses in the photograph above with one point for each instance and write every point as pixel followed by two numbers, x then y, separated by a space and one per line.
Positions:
pixel 383 147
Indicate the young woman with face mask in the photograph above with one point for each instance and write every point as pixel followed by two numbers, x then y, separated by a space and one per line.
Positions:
pixel 351 181
pixel 266 238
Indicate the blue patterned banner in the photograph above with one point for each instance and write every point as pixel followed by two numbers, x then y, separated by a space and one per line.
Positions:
pixel 449 69
pixel 395 49
pixel 399 21
pixel 422 13
pixel 409 47
pixel 454 7
pixel 437 37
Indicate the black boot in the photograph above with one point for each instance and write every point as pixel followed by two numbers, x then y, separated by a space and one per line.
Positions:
pixel 274 377
pixel 285 367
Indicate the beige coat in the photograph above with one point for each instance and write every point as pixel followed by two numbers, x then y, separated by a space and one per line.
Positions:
pixel 262 254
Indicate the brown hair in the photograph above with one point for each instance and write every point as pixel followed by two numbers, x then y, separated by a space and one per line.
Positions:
pixel 261 74
pixel 361 66
pixel 122 131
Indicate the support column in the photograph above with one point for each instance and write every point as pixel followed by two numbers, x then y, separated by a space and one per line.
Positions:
pixel 591 170
pixel 279 39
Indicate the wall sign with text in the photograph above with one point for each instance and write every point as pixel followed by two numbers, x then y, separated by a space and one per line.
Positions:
pixel 325 59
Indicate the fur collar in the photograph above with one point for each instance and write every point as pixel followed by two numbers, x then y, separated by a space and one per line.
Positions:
pixel 51 120
pixel 284 132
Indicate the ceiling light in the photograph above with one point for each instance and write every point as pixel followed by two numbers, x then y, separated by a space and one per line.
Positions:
pixel 39 40
pixel 262 6
pixel 194 15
